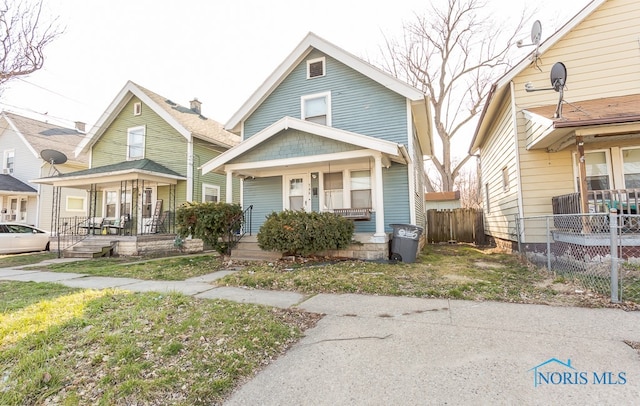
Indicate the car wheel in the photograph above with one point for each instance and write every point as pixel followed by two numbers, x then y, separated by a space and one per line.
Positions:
pixel 47 247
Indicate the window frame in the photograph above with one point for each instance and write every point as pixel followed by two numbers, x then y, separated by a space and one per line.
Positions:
pixel 623 163
pixel 84 204
pixel 352 189
pixel 210 186
pixel 316 60
pixel 608 163
pixel 5 156
pixel 137 108
pixel 305 98
pixel 130 131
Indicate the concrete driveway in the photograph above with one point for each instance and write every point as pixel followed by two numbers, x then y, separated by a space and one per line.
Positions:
pixel 405 351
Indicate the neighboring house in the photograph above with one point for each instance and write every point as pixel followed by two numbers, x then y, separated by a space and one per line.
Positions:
pixel 530 158
pixel 329 132
pixel 22 141
pixel 144 152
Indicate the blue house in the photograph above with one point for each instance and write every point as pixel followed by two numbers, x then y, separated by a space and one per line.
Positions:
pixel 327 131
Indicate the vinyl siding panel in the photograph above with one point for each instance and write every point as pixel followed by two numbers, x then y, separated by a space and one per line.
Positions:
pixel 396 202
pixel 497 154
pixel 265 194
pixel 163 144
pixel 203 152
pixel 358 104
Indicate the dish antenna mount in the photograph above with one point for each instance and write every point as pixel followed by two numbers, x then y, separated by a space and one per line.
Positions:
pixel 54 158
pixel 536 36
pixel 558 82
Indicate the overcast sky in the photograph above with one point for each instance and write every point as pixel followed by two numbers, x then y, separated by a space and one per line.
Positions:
pixel 219 52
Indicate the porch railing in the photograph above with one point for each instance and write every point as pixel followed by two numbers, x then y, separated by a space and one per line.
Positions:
pixel 239 227
pixel 625 201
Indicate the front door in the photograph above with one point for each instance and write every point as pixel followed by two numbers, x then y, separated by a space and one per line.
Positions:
pixel 297 194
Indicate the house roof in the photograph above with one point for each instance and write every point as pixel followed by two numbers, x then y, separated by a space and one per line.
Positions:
pixel 40 135
pixel 500 89
pixel 392 149
pixel 608 110
pixel 312 41
pixel 10 184
pixel 189 123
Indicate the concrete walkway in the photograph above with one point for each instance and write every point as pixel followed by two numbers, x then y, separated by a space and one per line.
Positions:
pixel 373 350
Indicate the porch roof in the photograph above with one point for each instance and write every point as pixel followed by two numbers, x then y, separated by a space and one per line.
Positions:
pixel 141 169
pixel 609 118
pixel 389 150
pixel 10 184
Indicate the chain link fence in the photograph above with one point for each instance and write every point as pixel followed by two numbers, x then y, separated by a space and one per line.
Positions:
pixel 599 251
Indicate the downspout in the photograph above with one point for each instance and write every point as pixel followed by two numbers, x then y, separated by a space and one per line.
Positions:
pixel 514 117
pixel 410 166
pixel 189 196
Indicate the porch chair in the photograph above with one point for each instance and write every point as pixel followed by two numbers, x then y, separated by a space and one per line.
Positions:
pixel 92 224
pixel 156 223
pixel 119 225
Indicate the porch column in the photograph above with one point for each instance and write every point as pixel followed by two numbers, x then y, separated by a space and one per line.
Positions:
pixel 582 173
pixel 229 193
pixel 379 197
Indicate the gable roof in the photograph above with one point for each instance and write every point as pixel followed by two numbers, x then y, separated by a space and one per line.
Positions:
pixel 500 89
pixel 387 147
pixel 186 121
pixel 40 135
pixel 312 41
pixel 10 184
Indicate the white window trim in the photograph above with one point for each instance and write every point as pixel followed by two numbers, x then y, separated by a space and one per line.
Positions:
pixel 576 169
pixel 137 108
pixel 5 155
pixel 326 95
pixel 324 67
pixel 346 186
pixel 505 179
pixel 144 141
pixel 208 185
pixel 84 204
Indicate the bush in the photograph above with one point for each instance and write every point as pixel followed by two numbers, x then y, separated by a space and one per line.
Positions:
pixel 208 221
pixel 302 233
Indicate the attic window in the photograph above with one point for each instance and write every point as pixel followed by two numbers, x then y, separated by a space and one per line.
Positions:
pixel 315 68
pixel 137 109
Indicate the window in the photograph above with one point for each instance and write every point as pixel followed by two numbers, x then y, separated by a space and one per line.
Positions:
pixel 137 109
pixel 111 201
pixel 75 203
pixel 597 170
pixel 125 203
pixel 315 68
pixel 333 190
pixel 8 161
pixel 147 196
pixel 317 108
pixel 210 193
pixel 505 179
pixel 360 190
pixel 631 167
pixel 135 143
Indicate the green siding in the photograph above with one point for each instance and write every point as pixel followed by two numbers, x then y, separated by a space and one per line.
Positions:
pixel 358 104
pixel 163 144
pixel 265 194
pixel 203 152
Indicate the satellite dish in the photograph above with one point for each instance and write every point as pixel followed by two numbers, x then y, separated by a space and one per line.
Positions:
pixel 53 157
pixel 558 76
pixel 536 32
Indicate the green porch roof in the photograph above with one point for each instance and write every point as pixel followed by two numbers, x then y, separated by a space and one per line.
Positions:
pixel 146 165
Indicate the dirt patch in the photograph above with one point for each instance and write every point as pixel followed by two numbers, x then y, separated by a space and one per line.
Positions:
pixel 488 265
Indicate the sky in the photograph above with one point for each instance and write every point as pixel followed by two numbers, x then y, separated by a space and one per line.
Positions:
pixel 217 51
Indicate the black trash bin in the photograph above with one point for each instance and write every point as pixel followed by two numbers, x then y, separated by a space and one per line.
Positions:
pixel 405 242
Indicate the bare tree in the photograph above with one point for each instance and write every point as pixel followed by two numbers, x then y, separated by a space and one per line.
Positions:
pixel 24 34
pixel 454 55
pixel 468 184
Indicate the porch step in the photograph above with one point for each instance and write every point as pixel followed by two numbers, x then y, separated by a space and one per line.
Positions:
pixel 248 250
pixel 90 249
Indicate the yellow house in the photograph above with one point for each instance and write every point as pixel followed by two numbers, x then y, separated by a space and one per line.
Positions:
pixel 572 149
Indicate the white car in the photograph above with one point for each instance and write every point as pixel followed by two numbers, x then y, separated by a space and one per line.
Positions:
pixel 16 238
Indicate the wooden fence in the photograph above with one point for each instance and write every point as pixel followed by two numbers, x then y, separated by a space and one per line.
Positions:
pixel 457 225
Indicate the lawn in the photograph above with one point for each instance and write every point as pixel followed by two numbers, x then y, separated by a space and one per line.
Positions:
pixel 69 346
pixel 8 261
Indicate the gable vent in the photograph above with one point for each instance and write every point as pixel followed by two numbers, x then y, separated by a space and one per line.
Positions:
pixel 315 68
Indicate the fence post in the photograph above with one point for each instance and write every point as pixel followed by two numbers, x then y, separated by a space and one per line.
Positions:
pixel 613 224
pixel 548 246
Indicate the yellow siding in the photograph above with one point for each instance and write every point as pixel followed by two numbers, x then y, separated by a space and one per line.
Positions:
pixel 498 152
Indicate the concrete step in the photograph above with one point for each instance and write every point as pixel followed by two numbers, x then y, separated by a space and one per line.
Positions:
pixel 89 249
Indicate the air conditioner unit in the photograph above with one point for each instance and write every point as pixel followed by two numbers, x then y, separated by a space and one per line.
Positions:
pixel 6 171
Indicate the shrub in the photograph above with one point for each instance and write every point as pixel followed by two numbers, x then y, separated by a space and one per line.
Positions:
pixel 302 233
pixel 208 221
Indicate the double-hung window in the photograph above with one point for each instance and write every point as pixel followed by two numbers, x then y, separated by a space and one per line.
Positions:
pixel 317 108
pixel 135 143
pixel 333 190
pixel 210 193
pixel 9 161
pixel 361 189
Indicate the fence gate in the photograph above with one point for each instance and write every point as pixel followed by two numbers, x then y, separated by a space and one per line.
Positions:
pixel 456 225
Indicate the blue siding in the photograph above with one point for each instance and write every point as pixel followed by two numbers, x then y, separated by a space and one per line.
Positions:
pixel 265 194
pixel 396 197
pixel 292 144
pixel 358 104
